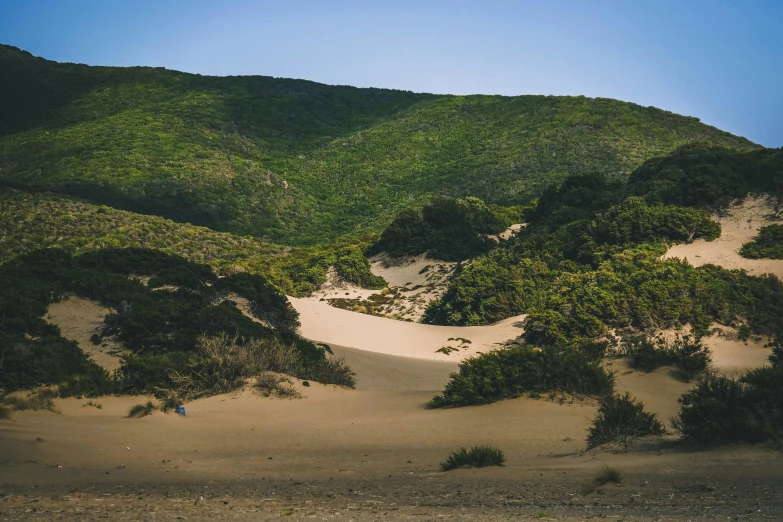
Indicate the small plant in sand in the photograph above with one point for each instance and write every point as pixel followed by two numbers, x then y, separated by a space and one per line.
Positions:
pixel 5 412
pixel 446 350
pixel 142 410
pixel 273 384
pixel 475 457
pixel 608 475
pixel 621 419
pixel 93 404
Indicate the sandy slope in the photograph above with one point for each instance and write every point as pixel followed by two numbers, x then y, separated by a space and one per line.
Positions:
pixel 324 323
pixel 740 225
pixel 78 319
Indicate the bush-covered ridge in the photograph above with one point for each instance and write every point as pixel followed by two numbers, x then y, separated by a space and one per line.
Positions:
pixel 298 162
pixel 589 258
pixel 32 221
pixel 167 332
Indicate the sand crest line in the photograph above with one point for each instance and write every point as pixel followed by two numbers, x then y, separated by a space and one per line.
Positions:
pixel 327 324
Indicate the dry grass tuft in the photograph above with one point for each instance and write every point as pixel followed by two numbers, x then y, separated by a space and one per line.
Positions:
pixel 271 384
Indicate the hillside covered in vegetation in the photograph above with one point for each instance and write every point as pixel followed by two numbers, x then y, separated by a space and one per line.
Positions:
pixel 185 335
pixel 589 259
pixel 296 162
pixel 29 222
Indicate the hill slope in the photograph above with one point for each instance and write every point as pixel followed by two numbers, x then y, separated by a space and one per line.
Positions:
pixel 298 162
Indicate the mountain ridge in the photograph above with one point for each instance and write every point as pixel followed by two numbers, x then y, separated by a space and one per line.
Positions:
pixel 299 162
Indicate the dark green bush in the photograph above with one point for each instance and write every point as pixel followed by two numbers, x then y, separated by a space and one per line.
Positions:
pixel 475 457
pixel 160 328
pixel 688 356
pixel 767 245
pixel 722 410
pixel 620 420
pixel 449 229
pixel 511 372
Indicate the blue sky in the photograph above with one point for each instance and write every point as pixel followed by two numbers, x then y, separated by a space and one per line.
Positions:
pixel 719 60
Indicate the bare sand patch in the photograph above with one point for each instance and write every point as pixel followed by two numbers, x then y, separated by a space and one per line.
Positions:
pixel 324 323
pixel 741 224
pixel 733 357
pixel 78 320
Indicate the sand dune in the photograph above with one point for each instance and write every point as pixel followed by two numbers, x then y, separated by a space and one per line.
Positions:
pixel 740 225
pixel 324 323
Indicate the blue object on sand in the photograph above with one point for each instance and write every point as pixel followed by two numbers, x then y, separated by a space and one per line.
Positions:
pixel 180 410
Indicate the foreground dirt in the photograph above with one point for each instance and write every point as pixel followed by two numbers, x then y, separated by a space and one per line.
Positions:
pixel 460 495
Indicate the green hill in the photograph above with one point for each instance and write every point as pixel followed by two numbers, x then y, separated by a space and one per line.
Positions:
pixel 297 162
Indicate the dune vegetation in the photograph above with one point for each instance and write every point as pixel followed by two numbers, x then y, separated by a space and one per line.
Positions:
pixel 296 162
pixel 768 244
pixel 163 323
pixel 32 221
pixel 588 267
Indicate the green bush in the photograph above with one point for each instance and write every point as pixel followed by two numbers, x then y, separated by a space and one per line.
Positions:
pixel 620 420
pixel 475 457
pixel 511 372
pixel 767 245
pixel 448 229
pixel 689 357
pixel 722 410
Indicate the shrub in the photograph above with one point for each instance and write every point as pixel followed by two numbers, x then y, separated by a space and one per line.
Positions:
pixel 768 244
pixel 510 372
pixel 142 410
pixel 449 229
pixel 475 457
pixel 689 357
pixel 608 475
pixel 621 419
pixel 720 410
pixel 274 384
pixel 225 364
pixel 5 412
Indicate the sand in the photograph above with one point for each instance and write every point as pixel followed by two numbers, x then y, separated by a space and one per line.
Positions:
pixel 739 226
pixel 366 454
pixel 324 323
pixel 78 319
